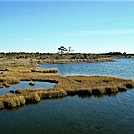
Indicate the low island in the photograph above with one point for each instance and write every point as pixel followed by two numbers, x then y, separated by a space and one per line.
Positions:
pixel 15 70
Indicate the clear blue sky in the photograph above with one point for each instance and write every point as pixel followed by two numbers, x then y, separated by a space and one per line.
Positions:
pixel 92 27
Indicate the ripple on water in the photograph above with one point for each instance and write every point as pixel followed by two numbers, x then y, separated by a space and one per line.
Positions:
pixel 76 115
pixel 25 84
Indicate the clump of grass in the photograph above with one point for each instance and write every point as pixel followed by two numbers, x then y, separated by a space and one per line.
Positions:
pixel 96 91
pixel 47 70
pixel 24 71
pixel 6 84
pixel 122 88
pixel 12 91
pixel 1 104
pixel 21 100
pixel 51 94
pixel 29 93
pixel 2 79
pixel 57 94
pixel 7 81
pixel 19 91
pixel 129 85
pixel 1 85
pixel 11 101
pixel 114 88
pixel 51 70
pixel 31 83
pixel 32 98
pixel 108 90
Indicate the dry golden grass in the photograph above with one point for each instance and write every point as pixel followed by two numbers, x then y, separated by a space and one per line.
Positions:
pixel 29 70
pixel 1 85
pixel 47 70
pixel 10 101
pixel 6 84
pixel 69 82
pixel 31 83
pixel 18 62
pixel 32 98
pixel 62 61
pixel 28 96
pixel 1 104
pixel 7 81
pixel 68 85
pixel 100 60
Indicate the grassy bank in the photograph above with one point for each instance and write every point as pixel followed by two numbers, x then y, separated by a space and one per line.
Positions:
pixel 33 62
pixel 13 71
pixel 65 86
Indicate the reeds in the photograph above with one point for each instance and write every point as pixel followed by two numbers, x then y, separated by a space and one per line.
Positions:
pixel 1 104
pixel 32 98
pixel 7 81
pixel 47 70
pixel 72 85
pixel 62 61
pixel 10 101
pixel 6 84
pixel 67 85
pixel 31 83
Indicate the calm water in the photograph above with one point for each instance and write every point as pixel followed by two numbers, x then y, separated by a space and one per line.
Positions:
pixel 24 85
pixel 122 68
pixel 75 115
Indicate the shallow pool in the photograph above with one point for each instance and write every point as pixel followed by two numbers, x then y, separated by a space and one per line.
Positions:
pixel 25 84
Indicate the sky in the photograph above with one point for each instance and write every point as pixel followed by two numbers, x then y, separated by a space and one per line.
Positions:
pixel 87 27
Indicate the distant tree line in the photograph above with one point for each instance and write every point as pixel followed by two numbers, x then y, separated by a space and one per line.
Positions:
pixel 114 53
pixel 63 53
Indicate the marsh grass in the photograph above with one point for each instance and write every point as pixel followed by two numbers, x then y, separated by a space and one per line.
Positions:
pixel 27 97
pixel 31 83
pixel 32 98
pixel 72 85
pixel 6 84
pixel 7 81
pixel 1 85
pixel 47 70
pixel 62 61
pixel 1 104
pixel 67 85
pixel 10 101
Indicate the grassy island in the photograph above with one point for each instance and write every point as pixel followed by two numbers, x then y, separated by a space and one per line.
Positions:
pixel 65 85
pixel 17 67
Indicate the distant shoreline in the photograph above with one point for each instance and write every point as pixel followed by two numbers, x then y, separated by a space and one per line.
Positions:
pixel 34 59
pixel 69 56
